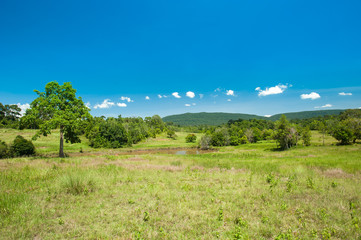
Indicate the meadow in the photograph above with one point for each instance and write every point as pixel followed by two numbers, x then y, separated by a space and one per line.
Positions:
pixel 252 191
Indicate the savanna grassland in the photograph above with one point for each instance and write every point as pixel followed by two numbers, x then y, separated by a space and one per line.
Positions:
pixel 251 191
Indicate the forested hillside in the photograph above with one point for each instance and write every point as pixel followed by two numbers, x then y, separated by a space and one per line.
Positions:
pixel 203 118
pixel 307 114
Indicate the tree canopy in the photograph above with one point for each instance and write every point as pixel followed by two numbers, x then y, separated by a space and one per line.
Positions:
pixel 58 107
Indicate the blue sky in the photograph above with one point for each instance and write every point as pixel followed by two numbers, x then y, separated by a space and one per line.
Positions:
pixel 274 56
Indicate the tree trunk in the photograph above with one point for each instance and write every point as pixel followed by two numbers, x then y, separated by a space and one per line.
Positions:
pixel 61 148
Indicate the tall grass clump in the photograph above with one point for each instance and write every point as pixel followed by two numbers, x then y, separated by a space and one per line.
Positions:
pixel 78 183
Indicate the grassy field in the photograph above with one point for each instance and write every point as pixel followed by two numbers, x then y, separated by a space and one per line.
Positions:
pixel 247 192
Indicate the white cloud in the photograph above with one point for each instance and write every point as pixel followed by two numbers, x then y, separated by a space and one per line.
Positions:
pixel 268 116
pixel 126 99
pixel 230 92
pixel 229 100
pixel 105 104
pixel 187 105
pixel 121 105
pixel 217 90
pixel 345 94
pixel 325 106
pixel 190 94
pixel 23 107
pixel 176 95
pixel 312 96
pixel 147 98
pixel 159 96
pixel 201 96
pixel 280 88
pixel 88 105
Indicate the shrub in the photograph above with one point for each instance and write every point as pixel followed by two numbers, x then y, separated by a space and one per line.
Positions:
pixel 220 138
pixel 306 136
pixel 285 134
pixel 205 142
pixel 108 134
pixel 191 138
pixel 243 140
pixel 342 133
pixel 234 141
pixel 4 151
pixel 22 147
pixel 171 133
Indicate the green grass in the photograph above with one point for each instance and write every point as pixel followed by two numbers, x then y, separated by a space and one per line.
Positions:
pixel 247 192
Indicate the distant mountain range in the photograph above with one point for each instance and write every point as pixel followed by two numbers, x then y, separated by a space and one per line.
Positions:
pixel 217 118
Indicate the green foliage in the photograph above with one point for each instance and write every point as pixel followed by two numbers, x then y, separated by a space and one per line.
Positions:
pixel 58 107
pixel 285 134
pixel 342 132
pixel 220 214
pixel 4 150
pixel 171 133
pixel 214 119
pixel 205 142
pixel 108 134
pixel 9 115
pixel 244 140
pixel 21 147
pixel 119 132
pixel 146 217
pixel 220 137
pixel 191 138
pixel 306 136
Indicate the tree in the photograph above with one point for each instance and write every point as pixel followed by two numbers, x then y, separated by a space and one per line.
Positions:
pixel 205 142
pixel 306 136
pixel 191 138
pixel 343 133
pixel 9 115
pixel 58 107
pixel 285 133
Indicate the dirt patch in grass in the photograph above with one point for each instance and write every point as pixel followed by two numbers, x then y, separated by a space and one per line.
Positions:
pixel 135 159
pixel 337 173
pixel 155 167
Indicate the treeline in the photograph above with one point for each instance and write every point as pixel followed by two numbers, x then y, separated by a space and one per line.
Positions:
pixel 118 132
pixel 9 115
pixel 345 127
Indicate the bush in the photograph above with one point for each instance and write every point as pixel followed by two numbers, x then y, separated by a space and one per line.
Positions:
pixel 244 140
pixel 306 136
pixel 205 142
pixel 22 147
pixel 220 138
pixel 191 138
pixel 234 140
pixel 171 133
pixel 342 133
pixel 4 151
pixel 109 134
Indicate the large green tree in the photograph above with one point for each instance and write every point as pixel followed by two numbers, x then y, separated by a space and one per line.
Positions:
pixel 285 134
pixel 9 114
pixel 58 107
